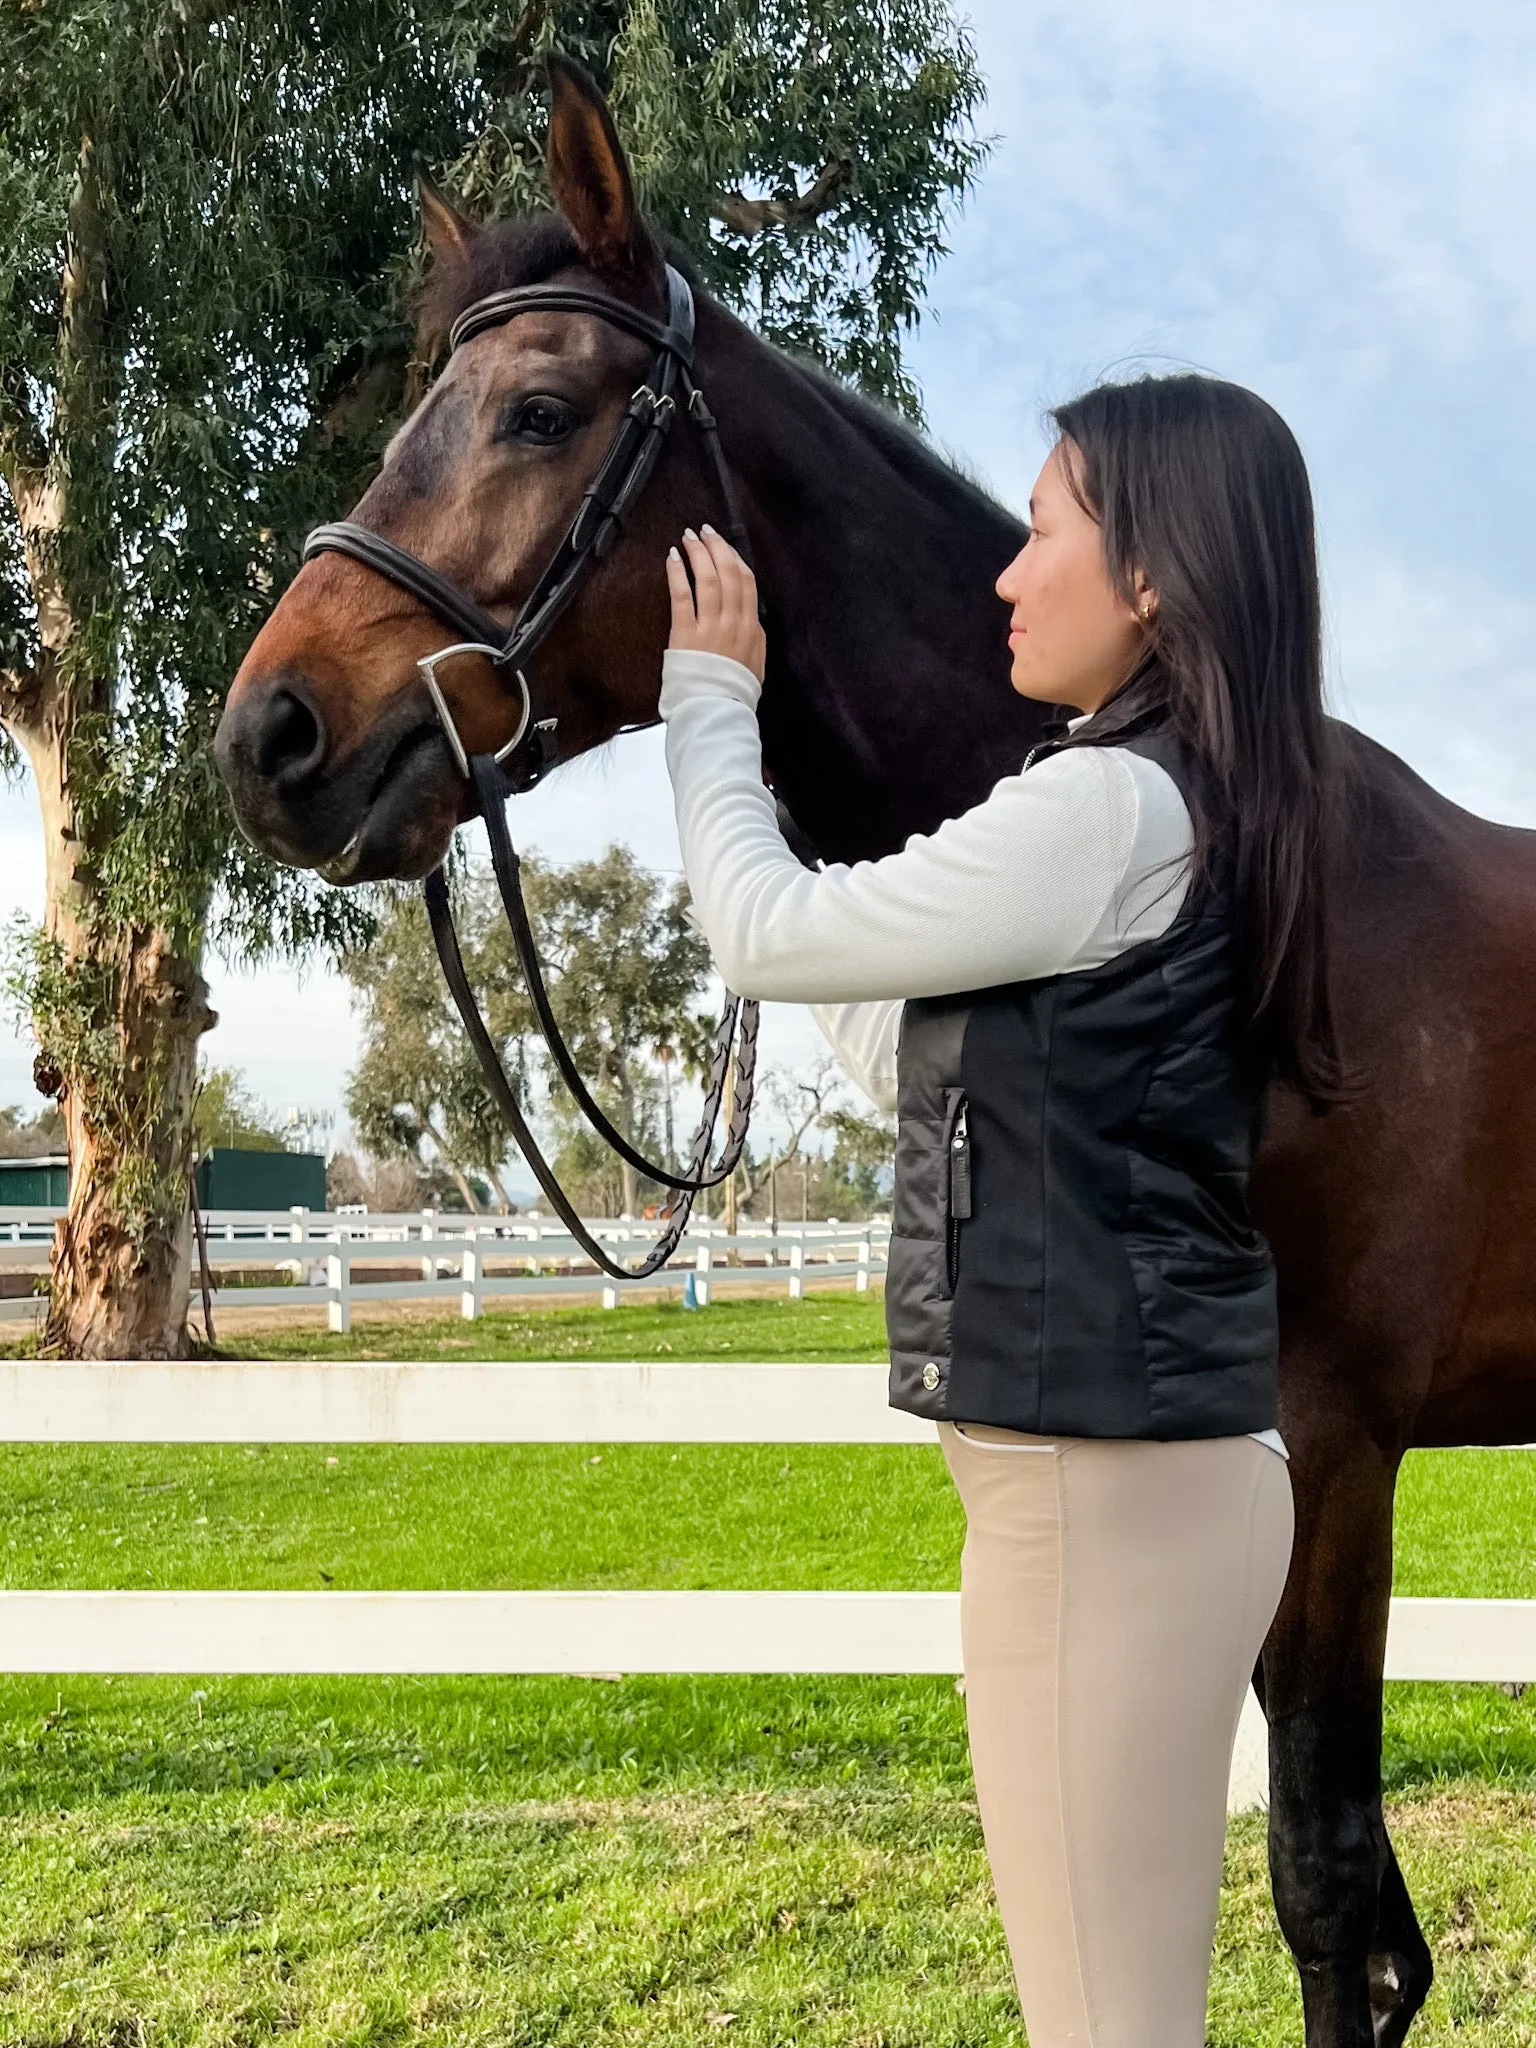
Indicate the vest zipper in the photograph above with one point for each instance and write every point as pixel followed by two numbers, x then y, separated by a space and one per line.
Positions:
pixel 957 1149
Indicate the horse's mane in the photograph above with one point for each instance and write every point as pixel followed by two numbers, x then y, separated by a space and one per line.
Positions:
pixel 533 247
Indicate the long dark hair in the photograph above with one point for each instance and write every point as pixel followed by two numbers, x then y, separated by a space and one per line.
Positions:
pixel 1201 486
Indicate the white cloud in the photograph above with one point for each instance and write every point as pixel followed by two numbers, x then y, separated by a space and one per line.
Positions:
pixel 1442 669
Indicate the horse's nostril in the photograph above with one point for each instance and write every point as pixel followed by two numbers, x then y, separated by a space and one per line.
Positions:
pixel 291 742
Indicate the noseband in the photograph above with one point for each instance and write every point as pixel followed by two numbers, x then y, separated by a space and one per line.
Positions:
pixel 533 748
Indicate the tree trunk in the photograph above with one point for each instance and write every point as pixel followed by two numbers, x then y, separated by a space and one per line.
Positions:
pixel 118 1008
pixel 122 1257
pixel 119 1013
pixel 460 1177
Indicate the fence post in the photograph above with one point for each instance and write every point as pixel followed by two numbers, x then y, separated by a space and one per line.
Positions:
pixel 861 1285
pixel 298 1229
pixel 338 1279
pixel 610 1296
pixel 471 1273
pixel 797 1272
pixel 703 1264
pixel 428 1233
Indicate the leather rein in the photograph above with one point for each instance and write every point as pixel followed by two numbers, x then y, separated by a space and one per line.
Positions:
pixel 533 749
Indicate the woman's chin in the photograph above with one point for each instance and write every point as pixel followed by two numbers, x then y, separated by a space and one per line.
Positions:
pixel 1038 689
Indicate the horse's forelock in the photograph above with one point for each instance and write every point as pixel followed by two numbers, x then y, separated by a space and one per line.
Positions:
pixel 528 250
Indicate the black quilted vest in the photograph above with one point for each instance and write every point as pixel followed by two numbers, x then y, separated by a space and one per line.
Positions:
pixel 1072 1251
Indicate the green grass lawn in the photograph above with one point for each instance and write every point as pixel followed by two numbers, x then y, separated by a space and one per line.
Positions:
pixel 217 1863
pixel 830 1326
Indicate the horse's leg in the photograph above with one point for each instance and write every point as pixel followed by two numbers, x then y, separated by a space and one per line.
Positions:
pixel 1331 1864
pixel 1400 1969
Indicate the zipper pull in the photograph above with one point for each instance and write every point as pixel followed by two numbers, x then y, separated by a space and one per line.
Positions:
pixel 960 1167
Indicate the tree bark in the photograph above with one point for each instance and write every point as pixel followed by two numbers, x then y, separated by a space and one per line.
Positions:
pixel 122 1257
pixel 119 1011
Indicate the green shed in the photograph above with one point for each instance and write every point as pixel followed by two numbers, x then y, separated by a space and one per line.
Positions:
pixel 230 1177
pixel 34 1183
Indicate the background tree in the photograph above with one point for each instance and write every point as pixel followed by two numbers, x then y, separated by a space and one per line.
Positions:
pixel 417 1084
pixel 203 342
pixel 229 1112
pixel 829 1160
pixel 30 1137
pixel 625 972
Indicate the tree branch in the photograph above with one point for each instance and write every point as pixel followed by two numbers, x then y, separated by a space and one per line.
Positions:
pixel 817 1091
pixel 744 216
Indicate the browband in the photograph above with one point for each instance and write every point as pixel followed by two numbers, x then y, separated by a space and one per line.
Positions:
pixel 674 334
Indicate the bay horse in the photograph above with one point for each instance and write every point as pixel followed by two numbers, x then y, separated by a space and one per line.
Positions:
pixel 1402 1222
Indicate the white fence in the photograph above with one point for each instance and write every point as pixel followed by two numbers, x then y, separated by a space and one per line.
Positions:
pixel 631 1632
pixel 327 1256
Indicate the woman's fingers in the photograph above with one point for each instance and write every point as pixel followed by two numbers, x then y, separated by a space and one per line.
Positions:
pixel 719 614
pixel 738 586
pixel 681 593
pixel 706 583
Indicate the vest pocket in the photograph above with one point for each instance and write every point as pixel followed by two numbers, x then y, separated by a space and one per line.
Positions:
pixel 957 1179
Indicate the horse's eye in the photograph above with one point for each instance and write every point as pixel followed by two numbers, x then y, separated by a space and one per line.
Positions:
pixel 537 422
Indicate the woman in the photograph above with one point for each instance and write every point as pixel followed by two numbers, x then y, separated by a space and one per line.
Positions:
pixel 1075 995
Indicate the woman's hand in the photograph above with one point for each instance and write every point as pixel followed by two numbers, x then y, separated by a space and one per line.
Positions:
pixel 719 614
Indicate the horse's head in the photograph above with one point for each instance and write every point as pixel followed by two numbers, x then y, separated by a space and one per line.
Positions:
pixel 329 742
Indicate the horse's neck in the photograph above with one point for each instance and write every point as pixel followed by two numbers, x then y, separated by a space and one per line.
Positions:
pixel 887 706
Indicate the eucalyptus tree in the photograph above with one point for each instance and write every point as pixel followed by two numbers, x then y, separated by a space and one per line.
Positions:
pixel 204 339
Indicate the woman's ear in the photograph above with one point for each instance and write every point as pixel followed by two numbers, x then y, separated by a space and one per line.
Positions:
pixel 589 175
pixel 1143 598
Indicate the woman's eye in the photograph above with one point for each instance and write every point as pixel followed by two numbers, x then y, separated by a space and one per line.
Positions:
pixel 540 422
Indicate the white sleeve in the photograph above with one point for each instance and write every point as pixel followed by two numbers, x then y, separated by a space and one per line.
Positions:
pixel 1043 877
pixel 864 1036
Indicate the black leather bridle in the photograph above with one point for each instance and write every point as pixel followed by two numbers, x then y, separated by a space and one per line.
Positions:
pixel 533 749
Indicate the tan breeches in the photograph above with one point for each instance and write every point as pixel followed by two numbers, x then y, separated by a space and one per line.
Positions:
pixel 1114 1598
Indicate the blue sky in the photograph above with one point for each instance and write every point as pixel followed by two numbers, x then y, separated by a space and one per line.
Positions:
pixel 1329 202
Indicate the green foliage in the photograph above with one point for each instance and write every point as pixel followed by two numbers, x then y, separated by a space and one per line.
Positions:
pixel 735 113
pixel 861 1164
pixel 228 1112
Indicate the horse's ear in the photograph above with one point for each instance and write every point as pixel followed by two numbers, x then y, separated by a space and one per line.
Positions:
pixel 449 232
pixel 589 174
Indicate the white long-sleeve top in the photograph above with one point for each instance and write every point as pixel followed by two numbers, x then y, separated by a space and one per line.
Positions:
pixel 1057 871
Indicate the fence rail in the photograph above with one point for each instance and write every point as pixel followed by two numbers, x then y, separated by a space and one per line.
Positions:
pixel 552 1632
pixel 328 1256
